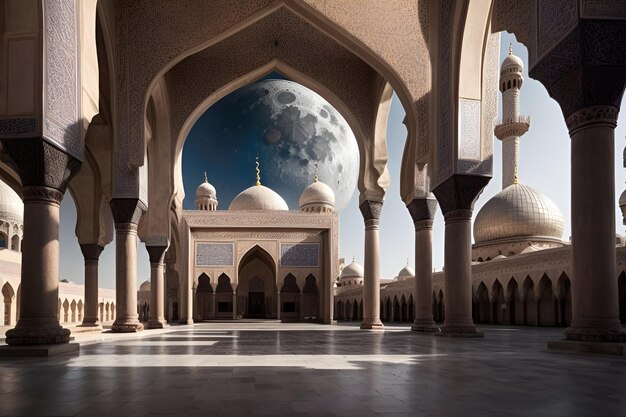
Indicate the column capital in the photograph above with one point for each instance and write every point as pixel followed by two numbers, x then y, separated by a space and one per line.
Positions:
pixel 91 251
pixel 459 192
pixel 422 210
pixel 39 163
pixel 458 216
pixel 592 116
pixel 42 194
pixel 127 211
pixel 371 209
pixel 157 254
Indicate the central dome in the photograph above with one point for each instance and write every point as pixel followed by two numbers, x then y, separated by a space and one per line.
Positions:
pixel 518 211
pixel 258 197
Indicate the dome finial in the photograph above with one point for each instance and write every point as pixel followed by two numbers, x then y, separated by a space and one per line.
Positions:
pixel 258 172
pixel 206 179
pixel 510 48
pixel 316 172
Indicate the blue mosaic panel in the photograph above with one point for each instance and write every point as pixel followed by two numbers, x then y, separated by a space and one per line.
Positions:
pixel 300 254
pixel 214 254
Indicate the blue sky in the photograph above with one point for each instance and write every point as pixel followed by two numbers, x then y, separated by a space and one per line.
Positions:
pixel 544 164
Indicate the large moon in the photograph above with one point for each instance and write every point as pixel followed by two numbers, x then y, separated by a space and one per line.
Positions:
pixel 289 127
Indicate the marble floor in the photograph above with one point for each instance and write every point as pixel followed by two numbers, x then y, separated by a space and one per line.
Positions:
pixel 273 369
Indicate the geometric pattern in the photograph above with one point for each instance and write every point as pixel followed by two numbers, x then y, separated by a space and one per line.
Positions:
pixel 215 254
pixel 299 254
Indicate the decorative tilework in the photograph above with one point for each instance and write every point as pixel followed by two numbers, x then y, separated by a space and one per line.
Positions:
pixel 469 129
pixel 299 254
pixel 215 254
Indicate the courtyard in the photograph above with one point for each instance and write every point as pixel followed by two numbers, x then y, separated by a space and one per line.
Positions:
pixel 270 368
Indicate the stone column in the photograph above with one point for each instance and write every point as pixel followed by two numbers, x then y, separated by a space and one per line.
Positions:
pixel 422 212
pixel 595 304
pixel 91 253
pixel 214 306
pixel 234 301
pixel 371 210
pixel 456 196
pixel 126 214
pixel 157 287
pixel 278 305
pixel 44 172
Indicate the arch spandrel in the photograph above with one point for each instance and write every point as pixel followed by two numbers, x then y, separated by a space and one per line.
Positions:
pixel 138 25
pixel 345 87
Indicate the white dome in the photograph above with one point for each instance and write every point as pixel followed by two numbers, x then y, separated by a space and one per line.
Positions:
pixel 317 193
pixel 512 61
pixel 518 211
pixel 145 286
pixel 354 270
pixel 407 271
pixel 258 197
pixel 11 205
pixel 206 190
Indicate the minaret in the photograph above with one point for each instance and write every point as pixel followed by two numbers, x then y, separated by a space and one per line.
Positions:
pixel 513 126
pixel 206 197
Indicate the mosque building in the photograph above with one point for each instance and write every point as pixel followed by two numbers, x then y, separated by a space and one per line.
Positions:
pixel 520 264
pixel 258 259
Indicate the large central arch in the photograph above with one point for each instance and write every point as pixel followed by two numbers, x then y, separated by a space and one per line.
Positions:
pixel 256 284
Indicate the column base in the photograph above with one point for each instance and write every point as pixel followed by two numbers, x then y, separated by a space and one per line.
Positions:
pixel 91 323
pixel 39 350
pixel 424 326
pixel 37 332
pixel 126 326
pixel 372 325
pixel 606 331
pixel 185 321
pixel 157 324
pixel 468 331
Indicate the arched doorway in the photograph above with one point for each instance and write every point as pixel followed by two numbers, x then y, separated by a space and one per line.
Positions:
pixel 564 294
pixel 290 299
pixel 255 287
pixel 204 298
pixel 311 298
pixel 546 303
pixel 482 300
pixel 530 302
pixel 498 312
pixel 224 297
pixel 514 302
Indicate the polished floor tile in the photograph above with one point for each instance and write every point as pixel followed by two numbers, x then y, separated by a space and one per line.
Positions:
pixel 273 369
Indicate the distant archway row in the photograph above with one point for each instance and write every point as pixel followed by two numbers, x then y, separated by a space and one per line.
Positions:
pixel 544 303
pixel 257 297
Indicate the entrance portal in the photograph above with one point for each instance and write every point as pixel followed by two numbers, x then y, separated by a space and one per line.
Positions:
pixel 256 290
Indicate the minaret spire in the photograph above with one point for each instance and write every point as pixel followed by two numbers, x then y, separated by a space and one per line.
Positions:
pixel 258 172
pixel 513 125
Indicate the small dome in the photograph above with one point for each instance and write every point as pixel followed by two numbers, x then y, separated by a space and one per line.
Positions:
pixel 206 190
pixel 512 61
pixel 351 271
pixel 407 271
pixel 145 286
pixel 518 211
pixel 11 205
pixel 258 197
pixel 316 194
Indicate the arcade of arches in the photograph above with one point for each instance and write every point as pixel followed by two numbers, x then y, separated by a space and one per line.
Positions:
pixel 111 126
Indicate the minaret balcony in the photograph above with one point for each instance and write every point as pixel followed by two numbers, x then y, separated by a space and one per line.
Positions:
pixel 514 126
